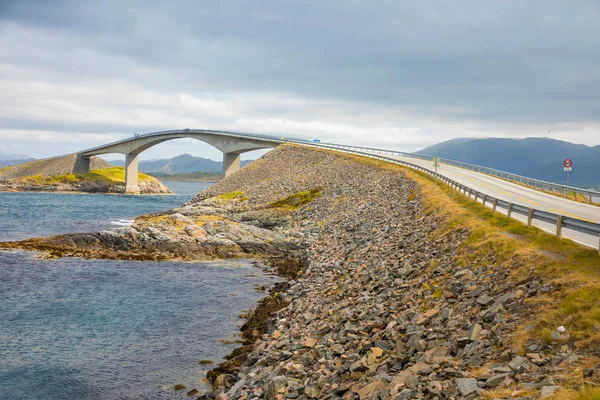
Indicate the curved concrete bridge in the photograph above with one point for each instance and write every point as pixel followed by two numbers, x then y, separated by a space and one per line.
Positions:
pixel 232 144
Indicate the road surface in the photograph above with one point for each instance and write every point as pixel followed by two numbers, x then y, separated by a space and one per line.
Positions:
pixel 522 195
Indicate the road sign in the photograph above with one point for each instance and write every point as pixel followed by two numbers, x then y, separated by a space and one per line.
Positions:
pixel 568 164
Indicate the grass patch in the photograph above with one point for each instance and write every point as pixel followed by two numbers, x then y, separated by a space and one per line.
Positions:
pixel 573 269
pixel 586 392
pixel 111 176
pixel 238 195
pixel 493 239
pixel 297 200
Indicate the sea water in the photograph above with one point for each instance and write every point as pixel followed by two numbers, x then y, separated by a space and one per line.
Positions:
pixel 73 328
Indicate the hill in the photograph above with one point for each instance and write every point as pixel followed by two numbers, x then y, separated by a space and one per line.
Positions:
pixel 8 159
pixel 539 158
pixel 8 163
pixel 67 174
pixel 12 157
pixel 189 176
pixel 49 167
pixel 181 164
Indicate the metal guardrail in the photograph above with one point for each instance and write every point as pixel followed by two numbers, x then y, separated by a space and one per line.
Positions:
pixel 560 221
pixel 523 180
pixel 562 190
pixel 532 214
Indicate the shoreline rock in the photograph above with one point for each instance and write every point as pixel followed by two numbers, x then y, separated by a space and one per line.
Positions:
pixel 149 186
pixel 376 305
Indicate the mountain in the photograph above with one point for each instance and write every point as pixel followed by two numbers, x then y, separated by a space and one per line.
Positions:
pixel 6 163
pixel 12 157
pixel 178 165
pixel 540 158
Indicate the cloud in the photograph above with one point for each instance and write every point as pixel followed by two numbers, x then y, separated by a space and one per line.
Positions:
pixel 401 74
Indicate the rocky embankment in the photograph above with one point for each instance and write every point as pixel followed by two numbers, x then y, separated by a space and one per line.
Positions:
pixel 379 306
pixel 70 174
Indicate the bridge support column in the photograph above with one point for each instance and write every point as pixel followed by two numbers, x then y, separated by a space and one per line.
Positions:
pixel 231 163
pixel 82 164
pixel 131 174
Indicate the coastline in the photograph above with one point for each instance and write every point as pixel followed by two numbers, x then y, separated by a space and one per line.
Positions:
pixel 51 191
pixel 387 296
pixel 153 187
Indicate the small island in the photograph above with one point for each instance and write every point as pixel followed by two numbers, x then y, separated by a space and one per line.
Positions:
pixel 65 174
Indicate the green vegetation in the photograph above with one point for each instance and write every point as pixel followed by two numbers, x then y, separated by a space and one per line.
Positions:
pixel 238 195
pixel 297 200
pixel 573 270
pixel 111 176
pixel 189 176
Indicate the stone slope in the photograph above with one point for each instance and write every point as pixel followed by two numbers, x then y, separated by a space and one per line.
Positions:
pixel 69 174
pixel 68 164
pixel 383 310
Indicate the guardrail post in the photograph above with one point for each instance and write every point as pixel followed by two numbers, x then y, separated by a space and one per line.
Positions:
pixel 530 218
pixel 484 199
pixel 494 205
pixel 476 194
pixel 509 210
pixel 559 227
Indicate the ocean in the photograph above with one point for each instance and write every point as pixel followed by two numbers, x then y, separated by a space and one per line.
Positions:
pixel 73 328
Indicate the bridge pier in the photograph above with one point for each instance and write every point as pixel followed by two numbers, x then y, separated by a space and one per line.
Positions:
pixel 131 173
pixel 231 163
pixel 82 164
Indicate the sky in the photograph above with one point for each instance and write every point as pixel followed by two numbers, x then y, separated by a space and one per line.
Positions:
pixel 397 74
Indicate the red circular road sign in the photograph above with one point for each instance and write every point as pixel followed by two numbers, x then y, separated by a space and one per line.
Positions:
pixel 568 163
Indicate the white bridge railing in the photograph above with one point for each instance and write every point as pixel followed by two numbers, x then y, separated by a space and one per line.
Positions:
pixel 512 209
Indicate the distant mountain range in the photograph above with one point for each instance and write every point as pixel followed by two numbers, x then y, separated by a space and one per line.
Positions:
pixel 184 163
pixel 540 158
pixel 7 159
pixel 9 156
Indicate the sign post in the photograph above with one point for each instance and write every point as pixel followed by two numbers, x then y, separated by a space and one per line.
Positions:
pixel 436 164
pixel 568 164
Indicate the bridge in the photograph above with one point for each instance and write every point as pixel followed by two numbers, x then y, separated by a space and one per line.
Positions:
pixel 537 203
pixel 231 144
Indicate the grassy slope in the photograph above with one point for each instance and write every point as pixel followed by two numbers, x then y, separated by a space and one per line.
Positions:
pixel 189 176
pixel 112 176
pixel 574 271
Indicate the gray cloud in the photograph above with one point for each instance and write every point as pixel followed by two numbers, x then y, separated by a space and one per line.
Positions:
pixel 480 65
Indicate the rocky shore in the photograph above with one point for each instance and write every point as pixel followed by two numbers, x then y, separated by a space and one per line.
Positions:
pixel 70 174
pixel 376 305
pixel 149 186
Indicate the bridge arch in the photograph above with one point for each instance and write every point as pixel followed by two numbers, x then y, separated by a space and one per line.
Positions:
pixel 231 144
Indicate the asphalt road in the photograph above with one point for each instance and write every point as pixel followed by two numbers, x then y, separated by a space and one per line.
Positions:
pixel 522 195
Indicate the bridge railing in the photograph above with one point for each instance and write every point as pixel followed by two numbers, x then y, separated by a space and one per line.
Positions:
pixel 555 188
pixel 512 209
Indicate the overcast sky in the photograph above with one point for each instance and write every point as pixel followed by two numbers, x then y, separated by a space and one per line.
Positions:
pixel 397 74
